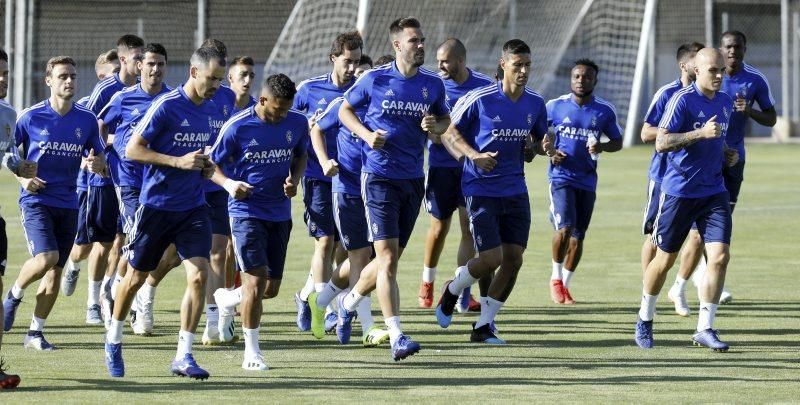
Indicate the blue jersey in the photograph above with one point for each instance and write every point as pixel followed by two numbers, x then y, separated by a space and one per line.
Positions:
pixel 658 165
pixel 752 85
pixel 102 93
pixel 696 170
pixel 56 143
pixel 123 112
pixel 313 97
pixel 573 125
pixel 225 100
pixel 251 102
pixel 437 154
pixel 175 126
pixel 491 122
pixel 397 104
pixel 350 149
pixel 260 153
pixel 83 175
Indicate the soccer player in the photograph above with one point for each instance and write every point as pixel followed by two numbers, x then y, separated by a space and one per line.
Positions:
pixel 170 141
pixel 53 133
pixel 692 131
pixel 404 103
pixel 97 226
pixel 313 96
pixel 241 74
pixel 578 120
pixel 263 149
pixel 491 127
pixel 658 165
pixel 443 183
pixel 747 85
pixel 107 64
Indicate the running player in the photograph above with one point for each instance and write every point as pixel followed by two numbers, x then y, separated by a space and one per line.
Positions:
pixel 404 104
pixel 578 120
pixel 692 131
pixel 53 133
pixel 170 141
pixel 443 183
pixel 491 127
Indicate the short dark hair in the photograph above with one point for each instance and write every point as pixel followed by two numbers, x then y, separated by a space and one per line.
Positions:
pixel 58 60
pixel 242 60
pixel 204 56
pixel 686 49
pixel 350 40
pixel 587 62
pixel 3 55
pixel 365 60
pixel 384 60
pixel 456 45
pixel 280 86
pixel 129 41
pixel 735 33
pixel 216 44
pixel 498 75
pixel 156 48
pixel 400 24
pixel 516 47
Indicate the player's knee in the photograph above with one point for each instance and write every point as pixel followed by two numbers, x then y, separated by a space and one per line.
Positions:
pixel 719 260
pixel 491 259
pixel 46 260
pixel 564 233
pixel 512 262
pixel 196 279
pixel 272 289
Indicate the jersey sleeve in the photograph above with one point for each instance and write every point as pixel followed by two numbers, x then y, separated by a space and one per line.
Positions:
pixel 225 149
pixel 439 106
pixel 543 121
pixel 465 114
pixel 673 117
pixel 612 129
pixel 359 94
pixel 97 100
pixel 21 137
pixel 300 102
pixel 154 121
pixel 330 117
pixel 302 144
pixel 94 140
pixel 656 109
pixel 111 114
pixel 764 95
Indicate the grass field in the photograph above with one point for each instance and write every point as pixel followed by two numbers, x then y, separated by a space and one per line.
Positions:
pixel 582 353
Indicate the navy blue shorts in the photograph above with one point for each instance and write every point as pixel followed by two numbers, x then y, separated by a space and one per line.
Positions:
pixel 494 221
pixel 49 229
pixel 733 177
pixel 443 191
pixel 392 206
pixel 82 234
pixel 102 214
pixel 571 207
pixel 218 212
pixel 258 243
pixel 128 204
pixel 651 206
pixel 351 221
pixel 711 214
pixel 318 199
pixel 154 230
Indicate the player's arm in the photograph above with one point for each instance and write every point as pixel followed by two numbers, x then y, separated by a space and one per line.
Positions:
pixel 435 126
pixel 296 169
pixel 138 151
pixel 731 155
pixel 347 115
pixel 767 117
pixel 109 138
pixel 668 142
pixel 329 166
pixel 460 149
pixel 648 133
pixel 612 145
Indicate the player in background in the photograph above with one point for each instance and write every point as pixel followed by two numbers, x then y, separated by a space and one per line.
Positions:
pixel 443 194
pixel 578 119
pixel 263 150
pixel 241 75
pixel 170 141
pixel 404 104
pixel 747 85
pixel 492 125
pixel 107 64
pixel 692 131
pixel 313 97
pixel 54 133
pixel 98 222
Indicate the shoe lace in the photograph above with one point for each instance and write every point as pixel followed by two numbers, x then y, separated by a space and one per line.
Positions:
pixel 189 359
pixel 642 330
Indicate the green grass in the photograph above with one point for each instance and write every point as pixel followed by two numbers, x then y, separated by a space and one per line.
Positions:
pixel 583 353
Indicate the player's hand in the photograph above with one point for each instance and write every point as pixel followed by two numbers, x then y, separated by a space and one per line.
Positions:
pixel 740 104
pixel 239 190
pixel 528 151
pixel 711 129
pixel 33 185
pixel 376 139
pixel 330 168
pixel 547 146
pixel 558 157
pixel 731 157
pixel 428 123
pixel 193 161
pixel 27 169
pixel 594 147
pixel 289 187
pixel 435 138
pixel 96 164
pixel 208 170
pixel 485 161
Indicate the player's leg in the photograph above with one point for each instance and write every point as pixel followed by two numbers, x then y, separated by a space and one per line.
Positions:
pixel 584 207
pixel 650 211
pixel 563 217
pixel 466 251
pixel 691 257
pixel 97 266
pixel 318 216
pixel 216 279
pixel 80 251
pixel 142 321
pixel 434 244
pixel 6 380
pixel 733 177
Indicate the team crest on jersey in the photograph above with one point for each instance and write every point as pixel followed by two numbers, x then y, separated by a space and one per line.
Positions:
pixel 346 240
pixel 78 133
pixel 312 226
pixel 225 110
pixel 594 121
pixel 557 218
pixel 425 93
pixel 289 136
pixel 529 119
pixel 375 228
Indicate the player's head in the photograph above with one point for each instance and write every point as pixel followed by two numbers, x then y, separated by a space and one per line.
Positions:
pixel 129 52
pixel 218 45
pixel 516 62
pixel 277 95
pixel 3 74
pixel 241 74
pixel 451 57
pixel 346 55
pixel 207 71
pixel 685 57
pixel 363 65
pixel 407 41
pixel 60 76
pixel 153 66
pixel 107 64
pixel 583 77
pixel 733 46
pixel 709 68
pixel 384 60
